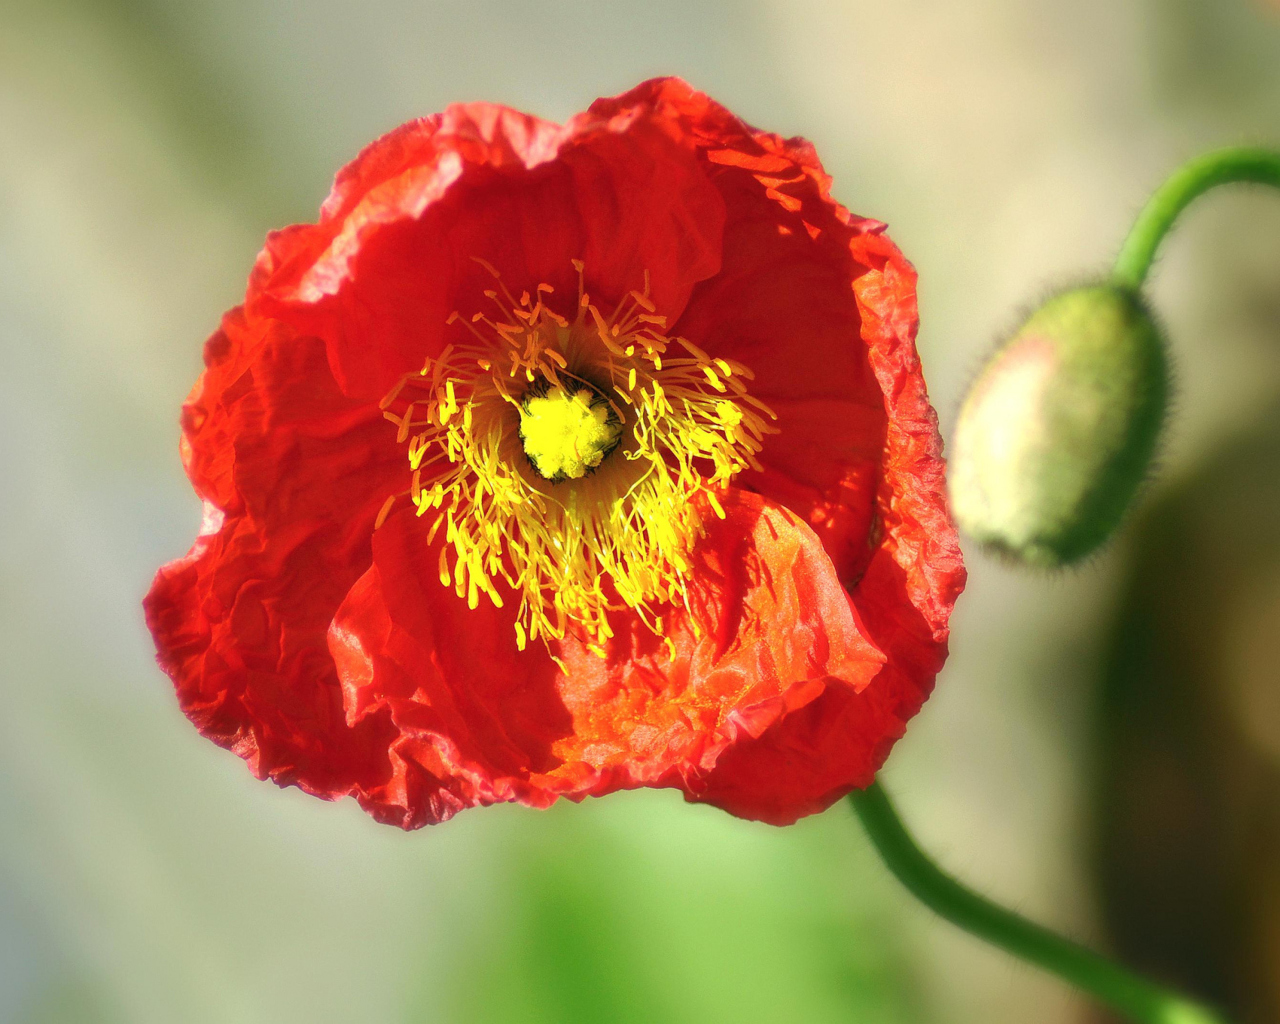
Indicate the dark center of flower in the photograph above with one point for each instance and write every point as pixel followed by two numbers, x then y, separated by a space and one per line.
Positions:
pixel 567 429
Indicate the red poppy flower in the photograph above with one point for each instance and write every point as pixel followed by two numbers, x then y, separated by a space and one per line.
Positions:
pixel 553 461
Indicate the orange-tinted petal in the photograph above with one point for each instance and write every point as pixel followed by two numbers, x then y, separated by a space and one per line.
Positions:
pixel 904 586
pixel 821 305
pixel 487 722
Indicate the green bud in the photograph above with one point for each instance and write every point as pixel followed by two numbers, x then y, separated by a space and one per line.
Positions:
pixel 1059 430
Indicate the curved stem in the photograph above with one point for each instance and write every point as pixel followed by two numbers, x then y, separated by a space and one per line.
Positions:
pixel 1193 179
pixel 1135 997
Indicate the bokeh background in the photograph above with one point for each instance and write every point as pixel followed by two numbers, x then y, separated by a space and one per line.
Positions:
pixel 1103 750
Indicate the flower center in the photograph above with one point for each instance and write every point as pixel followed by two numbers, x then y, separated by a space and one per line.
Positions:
pixel 567 431
pixel 564 458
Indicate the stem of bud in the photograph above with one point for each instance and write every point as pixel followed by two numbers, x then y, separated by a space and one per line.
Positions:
pixel 1183 187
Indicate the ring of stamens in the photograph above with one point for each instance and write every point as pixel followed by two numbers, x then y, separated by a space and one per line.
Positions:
pixel 585 505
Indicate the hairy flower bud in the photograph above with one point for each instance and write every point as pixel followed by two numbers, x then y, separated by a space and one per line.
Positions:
pixel 1059 429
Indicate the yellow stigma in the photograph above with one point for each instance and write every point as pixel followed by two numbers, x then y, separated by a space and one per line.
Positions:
pixel 564 459
pixel 567 432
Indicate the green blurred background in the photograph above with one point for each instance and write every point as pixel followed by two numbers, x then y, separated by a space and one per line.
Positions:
pixel 1103 751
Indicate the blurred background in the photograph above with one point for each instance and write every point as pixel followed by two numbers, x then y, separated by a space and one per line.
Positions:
pixel 1103 751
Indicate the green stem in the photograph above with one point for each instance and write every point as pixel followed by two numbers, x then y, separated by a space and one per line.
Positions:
pixel 1184 186
pixel 1131 995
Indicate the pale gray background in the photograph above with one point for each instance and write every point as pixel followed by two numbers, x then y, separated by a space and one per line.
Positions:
pixel 145 148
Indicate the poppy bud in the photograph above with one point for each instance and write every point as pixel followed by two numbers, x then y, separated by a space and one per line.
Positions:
pixel 1057 432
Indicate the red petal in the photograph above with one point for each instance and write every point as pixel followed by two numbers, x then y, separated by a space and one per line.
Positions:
pixel 821 306
pixel 293 474
pixel 903 595
pixel 394 253
pixel 488 723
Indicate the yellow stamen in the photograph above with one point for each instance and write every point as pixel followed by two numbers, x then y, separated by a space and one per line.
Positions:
pixel 564 458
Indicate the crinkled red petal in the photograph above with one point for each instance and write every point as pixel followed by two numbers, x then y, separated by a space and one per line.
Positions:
pixel 821 305
pixel 903 598
pixel 292 474
pixel 395 250
pixel 769 630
